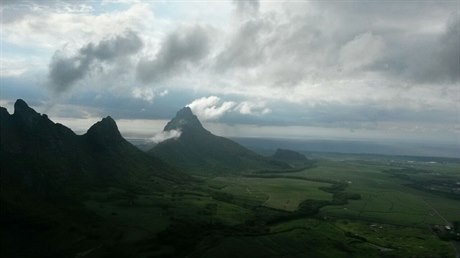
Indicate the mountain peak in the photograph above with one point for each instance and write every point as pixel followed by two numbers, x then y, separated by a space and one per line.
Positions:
pixel 26 114
pixel 109 122
pixel 105 132
pixel 21 107
pixel 4 112
pixel 185 112
pixel 107 125
pixel 184 119
pixel 199 151
pixel 20 103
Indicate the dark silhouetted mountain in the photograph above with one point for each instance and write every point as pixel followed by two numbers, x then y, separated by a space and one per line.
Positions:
pixel 185 120
pixel 104 134
pixel 49 158
pixel 289 156
pixel 47 172
pixel 200 152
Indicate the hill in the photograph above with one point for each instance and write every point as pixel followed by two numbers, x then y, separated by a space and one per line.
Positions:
pixel 198 151
pixel 289 156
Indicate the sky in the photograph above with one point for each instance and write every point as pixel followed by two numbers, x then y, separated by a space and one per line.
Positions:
pixel 367 69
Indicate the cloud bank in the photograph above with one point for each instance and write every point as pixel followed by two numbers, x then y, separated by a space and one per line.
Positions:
pixel 349 64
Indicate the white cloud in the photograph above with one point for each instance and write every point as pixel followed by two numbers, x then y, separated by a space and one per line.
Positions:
pixel 209 108
pixel 17 66
pixel 11 68
pixel 164 93
pixel 166 135
pixel 146 94
pixel 252 108
pixel 49 28
pixel 212 108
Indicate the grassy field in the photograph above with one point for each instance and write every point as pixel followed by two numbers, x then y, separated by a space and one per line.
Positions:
pixel 279 193
pixel 386 198
pixel 151 213
pixel 334 238
pixel 240 216
pixel 391 218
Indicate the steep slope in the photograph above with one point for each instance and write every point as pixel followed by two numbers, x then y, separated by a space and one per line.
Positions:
pixel 48 158
pixel 37 153
pixel 117 159
pixel 198 151
pixel 48 173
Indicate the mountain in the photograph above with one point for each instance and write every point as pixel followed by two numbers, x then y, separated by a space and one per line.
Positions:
pixel 198 151
pixel 50 159
pixel 49 173
pixel 289 156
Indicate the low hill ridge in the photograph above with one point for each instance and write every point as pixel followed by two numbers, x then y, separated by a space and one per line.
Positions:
pixel 288 155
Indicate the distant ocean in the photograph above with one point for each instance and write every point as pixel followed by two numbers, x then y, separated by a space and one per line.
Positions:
pixel 268 145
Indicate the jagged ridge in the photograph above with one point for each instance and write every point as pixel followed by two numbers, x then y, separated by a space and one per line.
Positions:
pixel 49 158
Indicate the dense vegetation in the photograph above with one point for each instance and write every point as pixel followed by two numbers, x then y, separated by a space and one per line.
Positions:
pixel 429 180
pixel 96 195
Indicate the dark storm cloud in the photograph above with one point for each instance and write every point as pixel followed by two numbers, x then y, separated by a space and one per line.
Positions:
pixel 401 41
pixel 64 71
pixel 416 50
pixel 245 49
pixel 444 63
pixel 433 59
pixel 450 53
pixel 182 47
pixel 109 49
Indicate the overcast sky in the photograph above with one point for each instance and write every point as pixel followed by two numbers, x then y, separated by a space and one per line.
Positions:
pixel 297 69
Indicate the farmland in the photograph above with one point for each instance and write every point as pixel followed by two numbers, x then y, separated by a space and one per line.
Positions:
pixel 335 209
